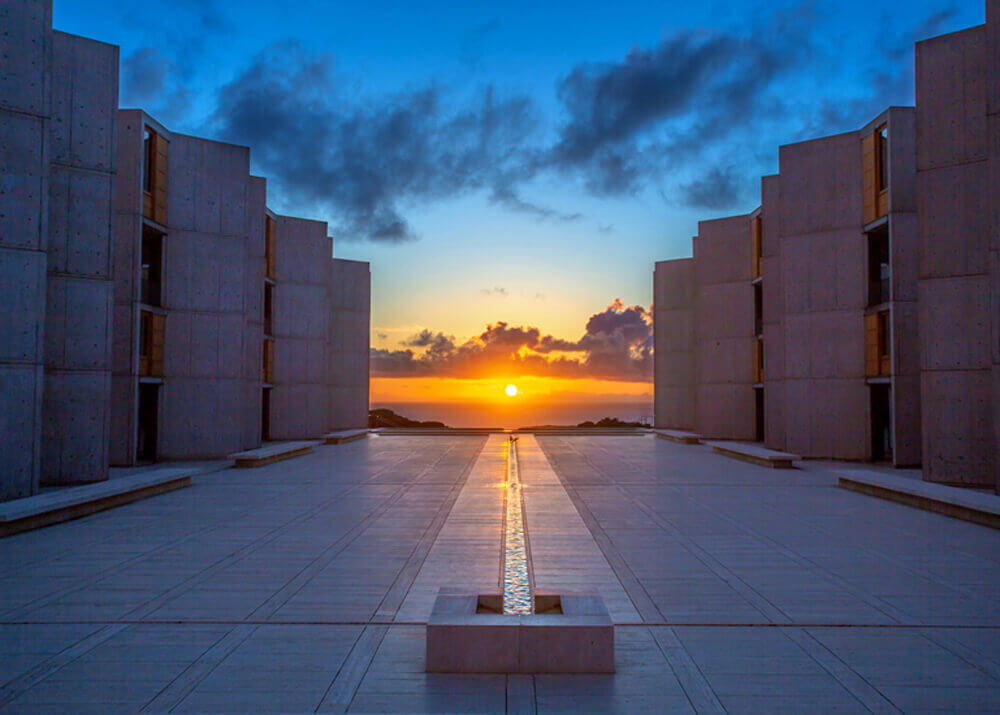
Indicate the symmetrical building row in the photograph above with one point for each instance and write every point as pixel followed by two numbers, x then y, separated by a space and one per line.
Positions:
pixel 854 314
pixel 155 307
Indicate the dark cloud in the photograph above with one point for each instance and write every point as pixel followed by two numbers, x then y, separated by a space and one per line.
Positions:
pixel 617 344
pixel 660 107
pixel 471 46
pixel 891 80
pixel 495 290
pixel 362 159
pixel 152 81
pixel 717 189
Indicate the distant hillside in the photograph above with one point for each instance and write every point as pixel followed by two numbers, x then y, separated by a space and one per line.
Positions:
pixel 387 418
pixel 603 422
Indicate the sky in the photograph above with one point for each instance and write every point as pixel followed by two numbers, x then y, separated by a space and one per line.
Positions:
pixel 513 170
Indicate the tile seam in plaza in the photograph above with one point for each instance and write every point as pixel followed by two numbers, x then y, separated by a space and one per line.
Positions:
pixel 309 572
pixel 696 687
pixel 394 597
pixel 978 661
pixel 21 684
pixel 853 682
pixel 30 607
pixel 757 601
pixel 353 670
pixel 641 600
pixel 175 692
pixel 814 569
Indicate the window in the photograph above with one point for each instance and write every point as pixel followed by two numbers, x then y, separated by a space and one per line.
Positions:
pixel 152 267
pixel 756 246
pixel 758 310
pixel 878 345
pixel 268 308
pixel 151 344
pixel 270 230
pixel 879 271
pixel 148 147
pixel 882 156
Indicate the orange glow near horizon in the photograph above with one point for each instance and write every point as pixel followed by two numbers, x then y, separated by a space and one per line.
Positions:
pixel 443 389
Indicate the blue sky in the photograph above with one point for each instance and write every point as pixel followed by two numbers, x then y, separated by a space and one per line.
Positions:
pixel 526 161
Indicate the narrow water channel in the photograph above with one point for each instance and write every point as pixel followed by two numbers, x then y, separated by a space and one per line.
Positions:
pixel 517 596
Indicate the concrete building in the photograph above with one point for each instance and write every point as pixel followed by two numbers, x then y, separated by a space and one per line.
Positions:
pixel 804 317
pixel 223 307
pixel 138 273
pixel 58 97
pixel 958 190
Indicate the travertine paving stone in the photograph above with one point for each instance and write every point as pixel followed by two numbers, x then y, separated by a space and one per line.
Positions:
pixel 299 586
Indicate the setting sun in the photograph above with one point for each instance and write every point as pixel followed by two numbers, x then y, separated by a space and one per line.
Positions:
pixel 511 390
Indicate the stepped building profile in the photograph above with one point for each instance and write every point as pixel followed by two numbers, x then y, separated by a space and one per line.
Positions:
pixel 853 315
pixel 156 307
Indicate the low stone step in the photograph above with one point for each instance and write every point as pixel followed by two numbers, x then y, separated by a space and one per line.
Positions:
pixel 342 436
pixel 68 503
pixel 966 504
pixel 755 454
pixel 678 436
pixel 271 453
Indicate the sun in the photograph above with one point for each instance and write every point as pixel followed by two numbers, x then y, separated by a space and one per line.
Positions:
pixel 511 390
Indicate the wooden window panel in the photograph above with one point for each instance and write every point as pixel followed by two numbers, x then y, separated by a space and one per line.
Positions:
pixel 869 186
pixel 268 361
pixel 270 232
pixel 756 247
pixel 156 352
pixel 871 345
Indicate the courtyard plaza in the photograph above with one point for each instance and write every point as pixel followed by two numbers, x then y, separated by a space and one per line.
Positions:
pixel 306 585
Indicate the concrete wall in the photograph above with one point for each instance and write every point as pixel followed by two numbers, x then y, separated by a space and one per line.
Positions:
pixel 673 333
pixel 823 278
pixel 206 403
pixel 773 299
pixel 955 221
pixel 724 329
pixel 300 398
pixel 83 140
pixel 24 112
pixel 348 338
pixel 993 128
pixel 904 248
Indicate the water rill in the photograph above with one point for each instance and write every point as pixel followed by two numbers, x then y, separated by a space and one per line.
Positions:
pixel 517 587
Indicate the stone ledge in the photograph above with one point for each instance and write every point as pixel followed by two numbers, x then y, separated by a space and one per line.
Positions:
pixel 753 454
pixel 75 502
pixel 272 453
pixel 678 436
pixel 956 502
pixel 466 634
pixel 342 436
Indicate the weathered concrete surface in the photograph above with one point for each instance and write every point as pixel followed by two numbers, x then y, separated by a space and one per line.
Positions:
pixel 24 115
pixel 674 355
pixel 773 312
pixel 76 410
pixel 823 257
pixel 724 329
pixel 956 227
pixel 299 400
pixel 348 338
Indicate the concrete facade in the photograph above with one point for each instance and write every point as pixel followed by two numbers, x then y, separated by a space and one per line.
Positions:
pixel 58 95
pixel 348 343
pixel 674 348
pixel 299 400
pixel 957 189
pixel 133 265
pixel 784 301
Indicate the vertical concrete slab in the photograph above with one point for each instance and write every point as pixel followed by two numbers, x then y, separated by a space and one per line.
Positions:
pixel 724 329
pixel 673 332
pixel 348 339
pixel 823 260
pixel 127 232
pixel 993 128
pixel 955 224
pixel 24 158
pixel 207 396
pixel 76 412
pixel 300 397
pixel 773 299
